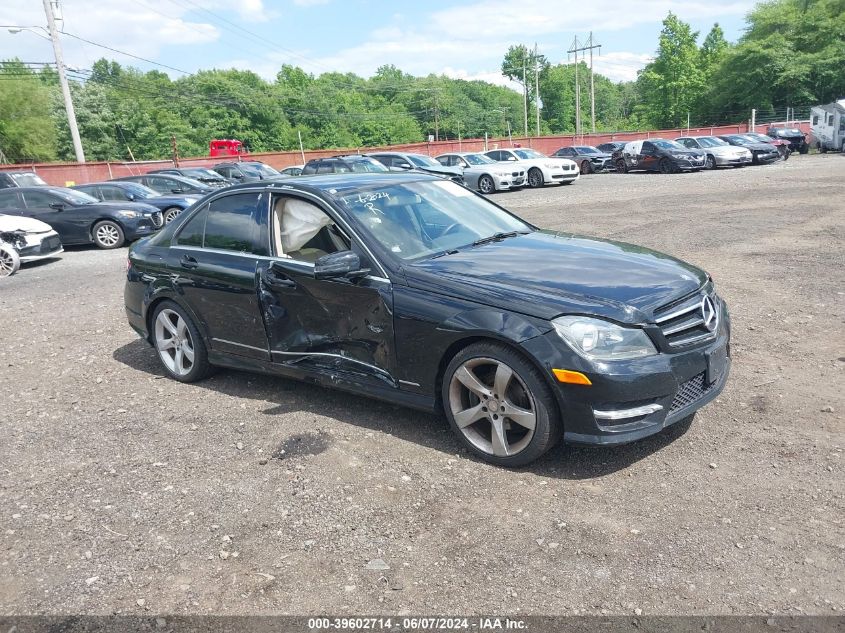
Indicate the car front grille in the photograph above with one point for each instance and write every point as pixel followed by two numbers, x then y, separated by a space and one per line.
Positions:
pixel 157 218
pixel 689 392
pixel 691 320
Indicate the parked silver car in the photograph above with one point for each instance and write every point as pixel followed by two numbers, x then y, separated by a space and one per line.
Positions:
pixel 483 173
pixel 719 153
pixel 541 169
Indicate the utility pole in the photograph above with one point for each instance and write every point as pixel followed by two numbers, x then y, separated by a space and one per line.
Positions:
pixel 537 88
pixel 436 119
pixel 60 66
pixel 575 48
pixel 524 93
pixel 174 151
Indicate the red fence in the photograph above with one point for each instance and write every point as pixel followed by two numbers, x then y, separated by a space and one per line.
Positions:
pixel 65 174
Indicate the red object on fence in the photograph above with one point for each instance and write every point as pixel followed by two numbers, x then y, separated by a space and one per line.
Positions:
pixel 225 147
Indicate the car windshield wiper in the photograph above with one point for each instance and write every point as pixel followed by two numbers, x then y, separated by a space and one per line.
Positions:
pixel 495 237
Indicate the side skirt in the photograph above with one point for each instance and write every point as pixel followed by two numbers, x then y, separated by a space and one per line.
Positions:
pixel 344 381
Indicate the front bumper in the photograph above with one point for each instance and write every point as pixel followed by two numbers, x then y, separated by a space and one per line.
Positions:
pixel 40 247
pixel 725 160
pixel 630 400
pixel 690 164
pixel 511 181
pixel 142 227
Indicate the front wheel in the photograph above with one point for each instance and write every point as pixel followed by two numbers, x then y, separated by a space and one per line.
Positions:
pixel 179 344
pixel 108 234
pixel 665 166
pixel 621 167
pixel 499 406
pixel 486 184
pixel 804 149
pixel 710 162
pixel 170 214
pixel 535 178
pixel 10 261
pixel 586 167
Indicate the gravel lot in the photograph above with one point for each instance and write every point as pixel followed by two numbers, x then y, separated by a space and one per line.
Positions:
pixel 124 492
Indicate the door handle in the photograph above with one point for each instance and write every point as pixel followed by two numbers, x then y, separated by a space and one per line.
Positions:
pixel 275 281
pixel 188 262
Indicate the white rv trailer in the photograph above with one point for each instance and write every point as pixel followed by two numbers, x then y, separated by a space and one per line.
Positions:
pixel 827 125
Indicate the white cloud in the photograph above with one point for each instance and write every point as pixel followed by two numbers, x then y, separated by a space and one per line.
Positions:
pixel 250 10
pixel 141 31
pixel 620 66
pixel 309 3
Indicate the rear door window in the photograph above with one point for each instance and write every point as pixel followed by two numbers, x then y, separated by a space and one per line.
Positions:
pixel 38 200
pixel 233 224
pixel 10 200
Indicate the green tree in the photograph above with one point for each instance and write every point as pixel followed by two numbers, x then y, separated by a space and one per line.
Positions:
pixel 27 125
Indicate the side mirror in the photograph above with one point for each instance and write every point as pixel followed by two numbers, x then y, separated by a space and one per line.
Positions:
pixel 58 206
pixel 238 176
pixel 405 165
pixel 513 158
pixel 130 197
pixel 177 190
pixel 337 265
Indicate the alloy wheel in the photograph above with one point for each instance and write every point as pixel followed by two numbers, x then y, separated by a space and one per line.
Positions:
pixel 710 163
pixel 535 178
pixel 9 261
pixel 485 184
pixel 174 343
pixel 107 234
pixel 171 214
pixel 492 407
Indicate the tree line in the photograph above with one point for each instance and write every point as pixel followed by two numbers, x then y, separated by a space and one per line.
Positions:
pixel 792 53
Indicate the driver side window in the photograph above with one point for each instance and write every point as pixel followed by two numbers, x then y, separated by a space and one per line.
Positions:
pixel 303 231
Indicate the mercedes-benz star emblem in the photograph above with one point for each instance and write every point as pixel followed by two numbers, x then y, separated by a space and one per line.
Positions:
pixel 708 313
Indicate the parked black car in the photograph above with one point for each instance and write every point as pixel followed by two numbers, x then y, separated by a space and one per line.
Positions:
pixel 413 289
pixel 612 146
pixel 658 154
pixel 351 163
pixel 112 191
pixel 20 179
pixel 797 139
pixel 167 184
pixel 202 174
pixel 589 159
pixel 246 171
pixel 409 161
pixel 762 153
pixel 81 219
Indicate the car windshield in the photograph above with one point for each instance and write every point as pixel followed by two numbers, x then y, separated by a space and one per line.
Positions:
pixel 365 165
pixel 421 160
pixel 758 138
pixel 418 220
pixel 201 172
pixel 664 144
pixel 587 150
pixel 711 141
pixel 478 159
pixel 74 197
pixel 738 138
pixel 257 170
pixel 528 153
pixel 28 180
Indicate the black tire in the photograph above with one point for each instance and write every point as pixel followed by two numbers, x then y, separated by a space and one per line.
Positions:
pixel 621 167
pixel 586 167
pixel 529 385
pixel 486 184
pixel 535 178
pixel 665 166
pixel 10 260
pixel 170 214
pixel 108 234
pixel 823 149
pixel 804 149
pixel 710 162
pixel 201 368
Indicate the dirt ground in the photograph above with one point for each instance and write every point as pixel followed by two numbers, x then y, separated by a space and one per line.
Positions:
pixel 125 492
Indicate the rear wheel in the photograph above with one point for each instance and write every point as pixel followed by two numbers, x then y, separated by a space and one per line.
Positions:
pixel 178 342
pixel 10 261
pixel 710 162
pixel 586 167
pixel 804 149
pixel 535 178
pixel 486 184
pixel 499 405
pixel 108 234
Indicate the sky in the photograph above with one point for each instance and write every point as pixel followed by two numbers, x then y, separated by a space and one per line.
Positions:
pixel 463 40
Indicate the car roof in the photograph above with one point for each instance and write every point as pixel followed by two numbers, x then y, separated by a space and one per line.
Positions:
pixel 328 182
pixel 41 188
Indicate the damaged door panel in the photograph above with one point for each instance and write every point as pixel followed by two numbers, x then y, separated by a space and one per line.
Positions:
pixel 343 325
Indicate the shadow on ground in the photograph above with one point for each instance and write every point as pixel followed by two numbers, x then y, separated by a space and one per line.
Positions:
pixel 432 431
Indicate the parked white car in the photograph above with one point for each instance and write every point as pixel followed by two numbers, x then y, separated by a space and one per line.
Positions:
pixel 541 169
pixel 483 173
pixel 719 153
pixel 30 239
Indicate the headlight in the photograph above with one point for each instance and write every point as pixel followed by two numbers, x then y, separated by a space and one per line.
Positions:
pixel 126 213
pixel 601 340
pixel 503 174
pixel 553 165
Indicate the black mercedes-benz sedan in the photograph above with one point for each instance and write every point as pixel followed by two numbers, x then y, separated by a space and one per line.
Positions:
pixel 413 289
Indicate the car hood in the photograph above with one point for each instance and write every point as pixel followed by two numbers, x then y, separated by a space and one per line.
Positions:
pixel 140 207
pixel 684 152
pixel 18 223
pixel 766 147
pixel 181 198
pixel 546 274
pixel 452 171
pixel 726 149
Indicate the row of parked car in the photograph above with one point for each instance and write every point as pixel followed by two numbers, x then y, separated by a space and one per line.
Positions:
pixel 36 219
